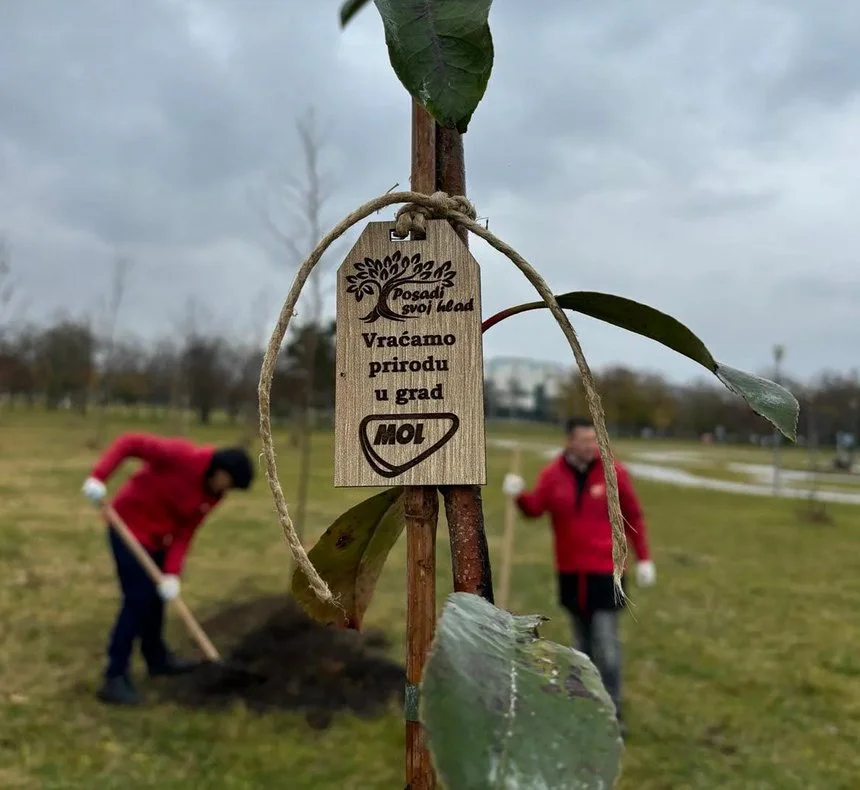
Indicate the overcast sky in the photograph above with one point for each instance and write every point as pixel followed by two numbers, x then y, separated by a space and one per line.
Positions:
pixel 702 157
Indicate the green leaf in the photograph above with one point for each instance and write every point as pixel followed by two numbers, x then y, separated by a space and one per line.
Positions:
pixel 349 9
pixel 442 52
pixel 350 556
pixel 505 708
pixel 765 397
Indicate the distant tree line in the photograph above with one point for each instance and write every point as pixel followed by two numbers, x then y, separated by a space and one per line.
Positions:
pixel 66 364
pixel 642 403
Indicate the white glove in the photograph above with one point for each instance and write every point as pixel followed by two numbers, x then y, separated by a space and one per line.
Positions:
pixel 646 573
pixel 513 485
pixel 168 589
pixel 94 490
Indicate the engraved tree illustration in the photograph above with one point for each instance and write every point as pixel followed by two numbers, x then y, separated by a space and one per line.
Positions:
pixel 394 271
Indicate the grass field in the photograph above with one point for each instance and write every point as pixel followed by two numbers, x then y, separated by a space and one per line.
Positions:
pixel 742 673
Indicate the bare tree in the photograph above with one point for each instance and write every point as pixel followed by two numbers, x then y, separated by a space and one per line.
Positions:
pixel 816 508
pixel 204 366
pixel 102 381
pixel 131 382
pixel 7 291
pixel 202 373
pixel 249 361
pixel 11 305
pixel 162 376
pixel 185 329
pixel 64 363
pixel 7 287
pixel 304 198
pixel 18 366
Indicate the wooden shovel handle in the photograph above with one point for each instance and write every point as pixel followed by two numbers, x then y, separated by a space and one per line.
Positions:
pixel 508 538
pixel 154 573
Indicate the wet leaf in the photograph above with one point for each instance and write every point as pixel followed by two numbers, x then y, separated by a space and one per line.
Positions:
pixel 765 397
pixel 350 556
pixel 442 52
pixel 505 708
pixel 349 9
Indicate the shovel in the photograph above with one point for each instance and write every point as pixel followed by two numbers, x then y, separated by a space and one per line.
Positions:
pixel 154 573
pixel 508 539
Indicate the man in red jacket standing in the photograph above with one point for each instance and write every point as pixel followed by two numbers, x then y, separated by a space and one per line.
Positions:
pixel 572 490
pixel 162 504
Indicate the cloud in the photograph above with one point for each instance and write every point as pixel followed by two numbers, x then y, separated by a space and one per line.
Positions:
pixel 700 157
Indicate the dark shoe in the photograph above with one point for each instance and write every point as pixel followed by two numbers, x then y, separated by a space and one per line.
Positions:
pixel 118 690
pixel 622 727
pixel 173 666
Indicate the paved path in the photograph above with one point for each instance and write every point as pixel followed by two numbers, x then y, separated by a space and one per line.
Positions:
pixel 643 466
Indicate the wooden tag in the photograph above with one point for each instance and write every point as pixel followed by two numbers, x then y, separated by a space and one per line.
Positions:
pixel 409 398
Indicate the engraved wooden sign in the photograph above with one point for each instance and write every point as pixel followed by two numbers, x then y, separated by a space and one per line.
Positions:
pixel 409 397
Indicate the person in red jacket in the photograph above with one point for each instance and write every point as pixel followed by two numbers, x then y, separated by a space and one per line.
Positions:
pixel 572 490
pixel 162 504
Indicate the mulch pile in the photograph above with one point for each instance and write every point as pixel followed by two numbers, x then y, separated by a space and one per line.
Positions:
pixel 297 664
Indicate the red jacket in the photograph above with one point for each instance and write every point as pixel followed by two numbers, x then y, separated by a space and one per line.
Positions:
pixel 581 527
pixel 165 501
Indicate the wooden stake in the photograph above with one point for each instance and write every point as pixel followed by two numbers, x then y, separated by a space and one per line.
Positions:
pixel 508 540
pixel 423 178
pixel 422 512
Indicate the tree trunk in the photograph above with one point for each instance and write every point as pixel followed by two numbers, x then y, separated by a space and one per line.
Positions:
pixel 422 512
pixel 306 430
pixel 470 554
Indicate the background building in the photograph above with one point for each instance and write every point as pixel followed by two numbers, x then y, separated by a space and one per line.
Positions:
pixel 524 388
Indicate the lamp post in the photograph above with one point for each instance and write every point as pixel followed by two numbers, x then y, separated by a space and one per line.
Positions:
pixel 853 448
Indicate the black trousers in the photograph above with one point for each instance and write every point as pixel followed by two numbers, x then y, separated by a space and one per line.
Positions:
pixel 595 608
pixel 141 613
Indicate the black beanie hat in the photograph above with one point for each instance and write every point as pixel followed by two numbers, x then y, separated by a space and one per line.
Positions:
pixel 236 462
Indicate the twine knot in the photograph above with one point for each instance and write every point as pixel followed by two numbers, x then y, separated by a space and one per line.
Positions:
pixel 412 217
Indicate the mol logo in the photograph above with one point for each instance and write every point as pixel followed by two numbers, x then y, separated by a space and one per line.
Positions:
pixel 391 433
pixel 406 439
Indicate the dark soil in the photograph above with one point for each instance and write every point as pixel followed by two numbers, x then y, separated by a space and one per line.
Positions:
pixel 281 659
